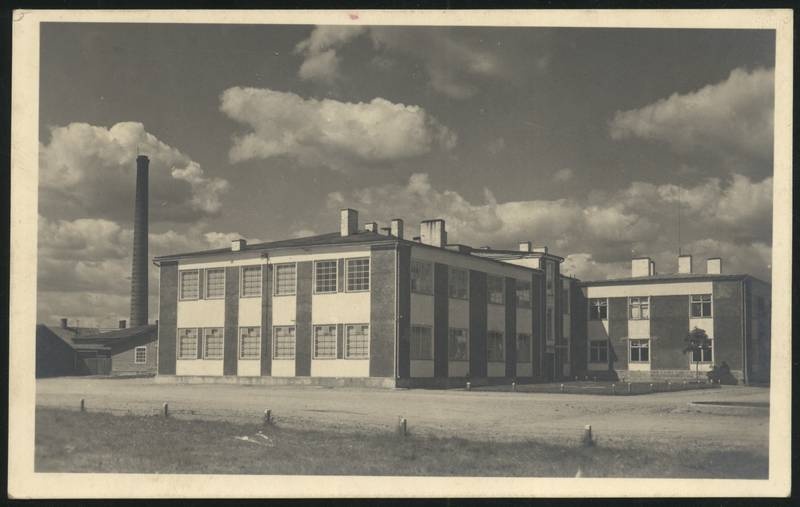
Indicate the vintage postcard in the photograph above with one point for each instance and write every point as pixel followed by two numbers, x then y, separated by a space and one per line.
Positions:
pixel 400 254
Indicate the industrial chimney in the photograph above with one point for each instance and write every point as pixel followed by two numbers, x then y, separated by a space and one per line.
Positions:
pixel 139 268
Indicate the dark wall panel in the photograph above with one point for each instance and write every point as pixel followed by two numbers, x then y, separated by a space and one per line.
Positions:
pixel 618 332
pixel 441 319
pixel 266 320
pixel 167 317
pixel 511 327
pixel 578 327
pixel 383 302
pixel 477 324
pixel 403 311
pixel 302 357
pixel 537 333
pixel 669 325
pixel 231 355
pixel 727 313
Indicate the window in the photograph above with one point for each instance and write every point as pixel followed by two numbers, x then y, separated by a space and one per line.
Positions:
pixel 495 346
pixel 215 283
pixel 495 286
pixel 458 283
pixel 701 305
pixel 523 348
pixel 284 342
pixel 251 281
pixel 421 277
pixel 458 345
pixel 598 309
pixel 140 355
pixel 639 308
pixel 523 294
pixel 187 343
pixel 325 276
pixel 640 351
pixel 598 351
pixel 357 274
pixel 249 343
pixel 213 343
pixel 703 355
pixel 286 279
pixel 190 284
pixel 325 342
pixel 356 341
pixel 421 343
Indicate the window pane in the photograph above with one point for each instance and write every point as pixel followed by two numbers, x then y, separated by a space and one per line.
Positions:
pixel 213 343
pixel 325 276
pixel 496 289
pixel 523 348
pixel 357 274
pixel 496 346
pixel 190 284
pixel 251 281
pixel 459 283
pixel 215 283
pixel 458 345
pixel 140 355
pixel 250 343
pixel 357 343
pixel 325 342
pixel 187 343
pixel 421 277
pixel 421 343
pixel 284 342
pixel 523 294
pixel 285 279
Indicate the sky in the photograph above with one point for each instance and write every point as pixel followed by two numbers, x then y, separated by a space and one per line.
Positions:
pixel 589 141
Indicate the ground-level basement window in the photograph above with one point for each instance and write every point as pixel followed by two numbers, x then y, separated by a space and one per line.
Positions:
pixel 187 343
pixel 598 351
pixel 214 343
pixel 140 355
pixel 249 342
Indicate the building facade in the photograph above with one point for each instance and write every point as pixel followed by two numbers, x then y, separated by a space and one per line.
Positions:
pixel 372 307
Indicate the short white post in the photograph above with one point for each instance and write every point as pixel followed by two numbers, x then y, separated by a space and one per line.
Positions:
pixel 669 385
pixel 402 426
pixel 513 386
pixel 267 417
pixel 562 388
pixel 166 409
pixel 83 405
pixel 588 441
pixel 629 388
pixel 613 388
pixel 469 386
pixel 651 388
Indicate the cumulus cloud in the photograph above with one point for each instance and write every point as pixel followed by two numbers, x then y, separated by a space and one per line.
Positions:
pixel 734 116
pixel 321 63
pixel 598 239
pixel 339 135
pixel 91 170
pixel 563 175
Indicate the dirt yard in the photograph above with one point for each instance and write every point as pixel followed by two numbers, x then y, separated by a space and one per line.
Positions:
pixel 558 418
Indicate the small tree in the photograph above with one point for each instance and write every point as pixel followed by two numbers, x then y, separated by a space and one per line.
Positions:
pixel 696 341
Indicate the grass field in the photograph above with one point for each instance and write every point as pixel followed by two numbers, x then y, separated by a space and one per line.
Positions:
pixel 72 441
pixel 603 387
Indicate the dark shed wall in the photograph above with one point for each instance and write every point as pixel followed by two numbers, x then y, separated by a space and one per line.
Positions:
pixel 477 324
pixel 669 325
pixel 727 313
pixel 167 317
pixel 54 356
pixel 383 301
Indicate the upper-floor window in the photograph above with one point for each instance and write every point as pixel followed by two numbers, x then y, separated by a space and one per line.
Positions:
pixel 639 308
pixel 249 342
pixel 495 346
pixel 495 286
pixel 421 342
pixel 421 277
pixel 523 348
pixel 458 344
pixel 190 284
pixel 458 283
pixel 701 305
pixel 215 283
pixel 357 275
pixel 356 341
pixel 325 276
pixel 598 351
pixel 285 279
pixel 598 309
pixel 284 342
pixel 213 343
pixel 523 294
pixel 251 281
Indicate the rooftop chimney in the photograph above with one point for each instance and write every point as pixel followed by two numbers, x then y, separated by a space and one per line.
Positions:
pixel 432 232
pixel 685 264
pixel 524 246
pixel 642 266
pixel 714 266
pixel 238 245
pixel 63 323
pixel 652 267
pixel 540 249
pixel 348 221
pixel 122 324
pixel 397 228
pixel 371 226
pixel 140 261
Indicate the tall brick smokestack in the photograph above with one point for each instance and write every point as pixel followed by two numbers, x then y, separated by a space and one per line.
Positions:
pixel 139 268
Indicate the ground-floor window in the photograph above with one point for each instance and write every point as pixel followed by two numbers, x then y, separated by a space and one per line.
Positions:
pixel 213 343
pixel 356 341
pixel 495 344
pixel 140 355
pixel 458 344
pixel 639 351
pixel 284 339
pixel 325 342
pixel 523 348
pixel 421 343
pixel 598 351
pixel 249 343
pixel 187 343
pixel 704 355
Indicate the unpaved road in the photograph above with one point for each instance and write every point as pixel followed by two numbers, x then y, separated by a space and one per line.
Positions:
pixel 661 417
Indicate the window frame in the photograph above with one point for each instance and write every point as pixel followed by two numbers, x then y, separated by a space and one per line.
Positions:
pixel 335 278
pixel 430 342
pixel 180 284
pixel 241 347
pixel 639 301
pixel 703 353
pixel 450 286
pixel 450 350
pixel 275 285
pixel 346 341
pixel 205 343
pixel 136 354
pixel 430 285
pixel 529 358
pixel 207 272
pixel 530 294
pixel 275 354
pixel 595 345
pixel 314 342
pixel 639 341
pixel 493 334
pixel 605 305
pixel 178 349
pixel 710 303
pixel 347 262
pixel 260 268
pixel 489 290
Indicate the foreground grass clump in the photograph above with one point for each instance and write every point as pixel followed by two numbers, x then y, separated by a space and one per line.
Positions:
pixel 68 441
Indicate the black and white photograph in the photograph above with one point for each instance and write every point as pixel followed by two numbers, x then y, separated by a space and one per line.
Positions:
pixel 344 249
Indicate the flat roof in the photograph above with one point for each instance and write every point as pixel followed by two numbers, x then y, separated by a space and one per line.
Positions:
pixel 670 277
